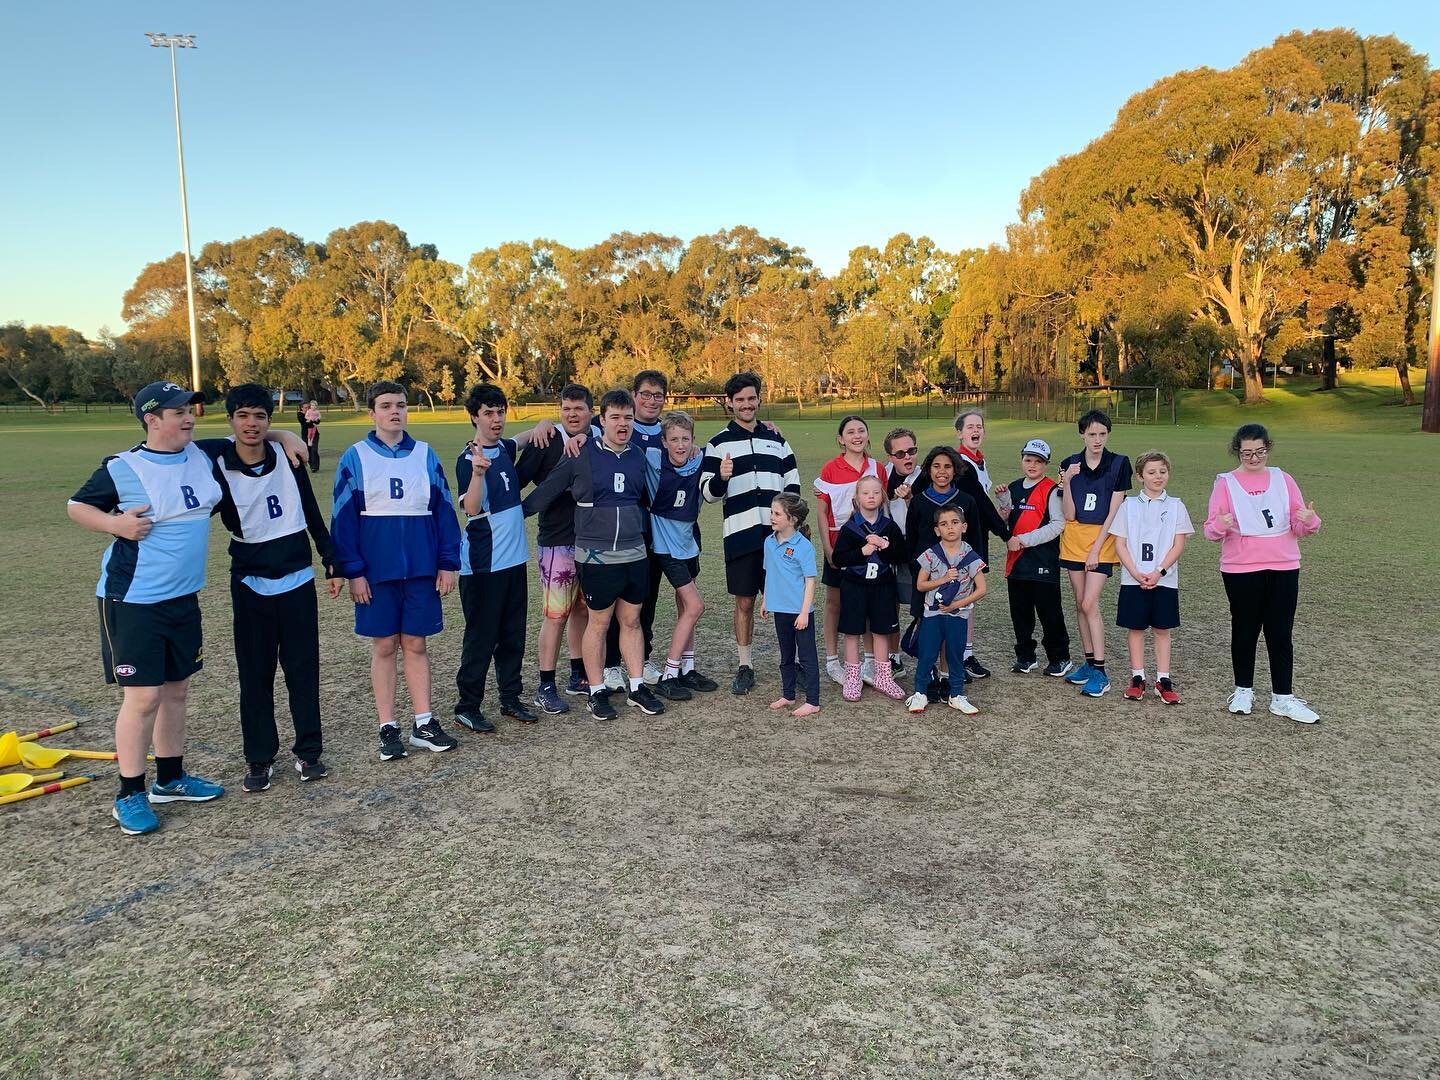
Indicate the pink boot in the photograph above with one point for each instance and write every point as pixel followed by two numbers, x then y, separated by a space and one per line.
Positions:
pixel 885 682
pixel 851 689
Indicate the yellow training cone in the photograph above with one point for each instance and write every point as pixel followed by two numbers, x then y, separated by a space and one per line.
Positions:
pixel 35 756
pixel 9 750
pixel 19 781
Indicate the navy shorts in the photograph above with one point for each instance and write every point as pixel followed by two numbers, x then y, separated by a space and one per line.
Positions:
pixel 151 644
pixel 1144 609
pixel 679 572
pixel 745 574
pixel 602 584
pixel 411 606
pixel 868 605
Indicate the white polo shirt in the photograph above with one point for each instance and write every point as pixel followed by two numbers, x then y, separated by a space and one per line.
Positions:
pixel 1149 527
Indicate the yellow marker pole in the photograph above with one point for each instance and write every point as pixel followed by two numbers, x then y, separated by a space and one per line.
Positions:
pixel 48 789
pixel 55 729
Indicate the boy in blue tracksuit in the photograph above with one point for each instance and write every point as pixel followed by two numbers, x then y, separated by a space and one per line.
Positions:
pixel 397 540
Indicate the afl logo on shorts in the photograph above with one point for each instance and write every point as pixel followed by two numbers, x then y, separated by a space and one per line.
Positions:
pixel 124 671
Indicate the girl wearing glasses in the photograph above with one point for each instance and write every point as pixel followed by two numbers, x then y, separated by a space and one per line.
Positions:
pixel 1258 515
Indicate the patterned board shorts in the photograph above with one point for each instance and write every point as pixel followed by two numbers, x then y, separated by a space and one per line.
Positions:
pixel 558 583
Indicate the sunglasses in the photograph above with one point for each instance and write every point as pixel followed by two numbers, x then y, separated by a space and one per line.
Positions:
pixel 904 453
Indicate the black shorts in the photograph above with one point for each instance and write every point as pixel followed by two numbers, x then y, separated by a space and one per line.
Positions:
pixel 151 644
pixel 604 583
pixel 679 572
pixel 831 576
pixel 1106 568
pixel 745 574
pixel 1143 609
pixel 868 605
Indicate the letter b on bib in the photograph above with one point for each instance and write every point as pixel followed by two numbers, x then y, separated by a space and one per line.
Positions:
pixel 679 499
pixel 1090 500
pixel 272 506
pixel 397 488
pixel 188 493
pixel 619 482
pixel 1147 553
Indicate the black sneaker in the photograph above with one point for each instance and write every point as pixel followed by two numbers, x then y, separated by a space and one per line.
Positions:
pixel 938 691
pixel 744 680
pixel 975 669
pixel 257 777
pixel 1058 669
pixel 694 680
pixel 599 705
pixel 391 745
pixel 1024 667
pixel 549 701
pixel 516 711
pixel 311 770
pixel 432 736
pixel 577 686
pixel 645 700
pixel 673 689
pixel 474 720
pixel 897 666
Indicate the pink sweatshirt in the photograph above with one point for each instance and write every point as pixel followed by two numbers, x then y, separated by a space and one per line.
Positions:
pixel 1241 554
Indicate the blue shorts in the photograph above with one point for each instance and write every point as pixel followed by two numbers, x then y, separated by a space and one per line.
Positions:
pixel 411 606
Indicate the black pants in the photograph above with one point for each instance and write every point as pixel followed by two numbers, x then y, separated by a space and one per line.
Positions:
pixel 1263 600
pixel 797 649
pixel 315 454
pixel 647 617
pixel 495 605
pixel 283 628
pixel 1031 598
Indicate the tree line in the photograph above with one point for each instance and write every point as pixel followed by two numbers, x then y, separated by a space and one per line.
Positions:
pixel 1275 213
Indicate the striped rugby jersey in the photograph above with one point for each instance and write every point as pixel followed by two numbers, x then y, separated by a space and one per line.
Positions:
pixel 764 466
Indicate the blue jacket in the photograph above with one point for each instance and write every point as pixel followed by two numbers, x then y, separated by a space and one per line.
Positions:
pixel 385 548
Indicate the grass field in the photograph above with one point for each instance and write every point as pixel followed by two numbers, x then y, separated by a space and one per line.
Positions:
pixel 1058 887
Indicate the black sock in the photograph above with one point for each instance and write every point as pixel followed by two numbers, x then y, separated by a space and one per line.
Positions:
pixel 547 678
pixel 168 769
pixel 132 785
pixel 577 667
pixel 1090 658
pixel 1098 664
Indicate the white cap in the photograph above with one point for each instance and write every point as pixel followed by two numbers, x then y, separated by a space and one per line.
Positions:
pixel 1038 447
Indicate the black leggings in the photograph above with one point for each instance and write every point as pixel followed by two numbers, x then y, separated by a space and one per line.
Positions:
pixel 1263 600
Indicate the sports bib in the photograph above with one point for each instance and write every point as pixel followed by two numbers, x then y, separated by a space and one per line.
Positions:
pixel 1266 513
pixel 395 487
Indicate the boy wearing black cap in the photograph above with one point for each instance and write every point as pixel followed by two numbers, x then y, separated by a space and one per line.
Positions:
pixel 1034 508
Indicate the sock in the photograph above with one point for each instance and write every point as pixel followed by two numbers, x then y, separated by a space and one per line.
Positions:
pixel 969 650
pixel 132 785
pixel 1137 671
pixel 577 667
pixel 1161 675
pixel 672 668
pixel 598 689
pixel 1098 664
pixel 1089 658
pixel 832 659
pixel 687 663
pixel 168 769
pixel 744 651
pixel 422 718
pixel 547 678
pixel 635 684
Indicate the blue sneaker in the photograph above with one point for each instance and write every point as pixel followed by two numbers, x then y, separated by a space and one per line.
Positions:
pixel 1081 675
pixel 547 700
pixel 1097 685
pixel 187 789
pixel 134 815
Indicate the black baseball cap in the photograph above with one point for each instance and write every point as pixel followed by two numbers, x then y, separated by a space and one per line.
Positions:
pixel 164 395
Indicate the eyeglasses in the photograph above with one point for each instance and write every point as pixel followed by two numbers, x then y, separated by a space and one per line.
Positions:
pixel 1254 455
pixel 651 395
pixel 903 453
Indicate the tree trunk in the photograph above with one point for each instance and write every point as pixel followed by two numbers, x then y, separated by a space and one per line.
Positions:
pixel 1407 392
pixel 426 391
pixel 1254 377
pixel 354 398
pixel 1328 362
pixel 26 391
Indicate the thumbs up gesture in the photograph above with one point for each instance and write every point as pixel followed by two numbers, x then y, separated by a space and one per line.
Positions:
pixel 133 523
pixel 727 468
pixel 1305 514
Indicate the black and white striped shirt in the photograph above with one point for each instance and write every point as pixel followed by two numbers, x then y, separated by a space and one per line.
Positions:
pixel 764 466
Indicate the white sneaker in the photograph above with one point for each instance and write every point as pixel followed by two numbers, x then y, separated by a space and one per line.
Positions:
pixel 867 671
pixel 916 703
pixel 1242 700
pixel 1293 707
pixel 652 674
pixel 962 703
pixel 836 670
pixel 615 678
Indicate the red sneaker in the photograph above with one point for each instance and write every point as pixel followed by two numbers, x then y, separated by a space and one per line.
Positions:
pixel 1165 691
pixel 1136 690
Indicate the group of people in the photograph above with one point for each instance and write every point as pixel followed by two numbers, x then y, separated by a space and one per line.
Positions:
pixel 618 492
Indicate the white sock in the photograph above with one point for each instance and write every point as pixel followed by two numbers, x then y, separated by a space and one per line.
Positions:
pixel 744 651
pixel 969 650
pixel 1138 671
pixel 422 718
pixel 595 689
pixel 869 658
pixel 635 684
pixel 1161 675
pixel 834 659
pixel 672 669
pixel 687 663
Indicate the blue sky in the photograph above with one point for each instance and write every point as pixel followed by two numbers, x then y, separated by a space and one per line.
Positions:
pixel 828 125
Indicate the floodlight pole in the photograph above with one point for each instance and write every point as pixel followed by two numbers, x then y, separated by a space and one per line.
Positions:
pixel 172 42
pixel 1430 413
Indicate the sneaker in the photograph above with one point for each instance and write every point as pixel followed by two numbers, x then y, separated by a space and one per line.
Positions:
pixel 313 769
pixel 1056 669
pixel 695 679
pixel 886 684
pixel 1024 667
pixel 1097 685
pixel 1080 675
pixel 651 675
pixel 867 671
pixel 645 700
pixel 836 670
pixel 187 789
pixel 515 710
pixel 1165 691
pixel 615 678
pixel 257 778
pixel 578 686
pixel 1293 707
pixel 134 815
pixel 548 701
pixel 853 683
pixel 673 689
pixel 432 737
pixel 938 691
pixel 744 680
pixel 474 720
pixel 1242 700
pixel 975 669
pixel 961 703
pixel 897 665
pixel 599 705
pixel 391 745
pixel 1136 690
pixel 916 703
